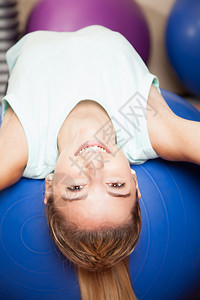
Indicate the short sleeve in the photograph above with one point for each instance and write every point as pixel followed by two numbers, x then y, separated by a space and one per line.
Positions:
pixel 13 53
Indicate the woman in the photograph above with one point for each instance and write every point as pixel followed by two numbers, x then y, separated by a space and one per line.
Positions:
pixel 81 106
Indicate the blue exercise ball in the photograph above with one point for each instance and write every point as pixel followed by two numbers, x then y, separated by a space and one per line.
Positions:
pixel 165 263
pixel 183 42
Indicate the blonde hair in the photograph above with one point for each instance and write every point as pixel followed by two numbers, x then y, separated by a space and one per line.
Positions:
pixel 100 257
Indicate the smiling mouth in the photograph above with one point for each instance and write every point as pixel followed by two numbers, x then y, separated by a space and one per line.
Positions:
pixel 92 147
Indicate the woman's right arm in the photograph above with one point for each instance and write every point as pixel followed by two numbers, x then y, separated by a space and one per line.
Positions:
pixel 172 137
pixel 13 149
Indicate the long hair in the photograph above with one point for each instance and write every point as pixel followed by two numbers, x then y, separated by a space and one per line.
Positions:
pixel 100 257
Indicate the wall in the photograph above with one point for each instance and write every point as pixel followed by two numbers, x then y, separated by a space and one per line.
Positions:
pixel 156 13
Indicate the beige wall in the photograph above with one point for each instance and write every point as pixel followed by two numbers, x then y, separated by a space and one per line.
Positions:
pixel 156 12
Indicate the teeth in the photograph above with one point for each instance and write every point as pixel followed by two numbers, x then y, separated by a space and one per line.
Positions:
pixel 93 149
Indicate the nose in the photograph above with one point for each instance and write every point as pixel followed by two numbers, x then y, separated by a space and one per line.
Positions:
pixel 94 163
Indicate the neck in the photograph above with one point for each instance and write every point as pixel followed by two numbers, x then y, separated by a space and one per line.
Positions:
pixel 86 122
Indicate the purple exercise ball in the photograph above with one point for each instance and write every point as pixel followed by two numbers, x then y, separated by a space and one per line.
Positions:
pixel 124 16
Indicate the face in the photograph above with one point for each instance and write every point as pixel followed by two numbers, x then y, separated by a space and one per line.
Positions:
pixel 93 189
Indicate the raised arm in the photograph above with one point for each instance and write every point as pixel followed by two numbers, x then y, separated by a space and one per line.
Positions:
pixel 173 138
pixel 13 150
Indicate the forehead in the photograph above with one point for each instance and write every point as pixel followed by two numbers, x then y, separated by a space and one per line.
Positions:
pixel 96 215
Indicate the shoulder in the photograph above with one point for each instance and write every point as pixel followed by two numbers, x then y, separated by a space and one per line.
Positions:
pixel 30 45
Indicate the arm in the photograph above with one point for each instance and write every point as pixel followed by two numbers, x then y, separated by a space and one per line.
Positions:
pixel 8 176
pixel 172 137
pixel 13 150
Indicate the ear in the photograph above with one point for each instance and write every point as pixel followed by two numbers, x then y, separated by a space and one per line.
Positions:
pixel 136 182
pixel 48 187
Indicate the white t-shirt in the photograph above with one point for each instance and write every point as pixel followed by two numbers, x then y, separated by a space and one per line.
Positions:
pixel 50 72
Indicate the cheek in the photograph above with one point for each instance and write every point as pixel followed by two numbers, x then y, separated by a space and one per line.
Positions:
pixel 123 161
pixel 70 169
pixel 63 162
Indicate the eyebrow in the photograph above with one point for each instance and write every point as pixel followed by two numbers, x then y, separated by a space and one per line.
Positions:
pixel 110 193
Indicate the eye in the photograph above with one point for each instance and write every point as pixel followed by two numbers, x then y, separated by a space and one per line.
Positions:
pixel 117 184
pixel 75 188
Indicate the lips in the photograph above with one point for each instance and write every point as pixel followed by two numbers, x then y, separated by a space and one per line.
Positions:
pixel 90 144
